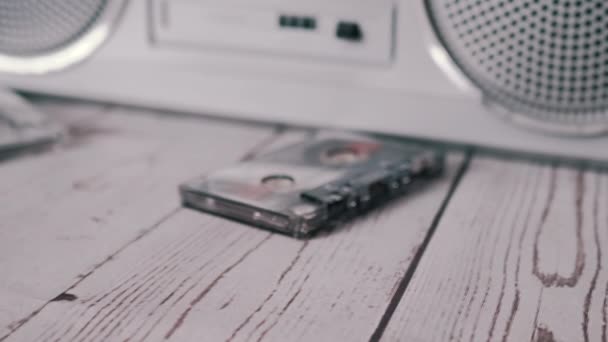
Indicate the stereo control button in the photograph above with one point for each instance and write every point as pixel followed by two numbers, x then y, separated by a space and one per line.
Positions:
pixel 349 30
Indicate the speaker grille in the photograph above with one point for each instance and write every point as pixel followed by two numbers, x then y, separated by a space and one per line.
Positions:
pixel 547 59
pixel 33 27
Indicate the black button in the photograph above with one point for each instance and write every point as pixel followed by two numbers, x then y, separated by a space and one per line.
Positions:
pixel 309 23
pixel 349 30
pixel 293 21
pixel 283 20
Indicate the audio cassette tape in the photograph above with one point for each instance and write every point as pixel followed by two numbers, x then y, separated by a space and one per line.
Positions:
pixel 316 183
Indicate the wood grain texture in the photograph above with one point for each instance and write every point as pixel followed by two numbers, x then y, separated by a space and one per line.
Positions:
pixel 520 254
pixel 67 211
pixel 201 278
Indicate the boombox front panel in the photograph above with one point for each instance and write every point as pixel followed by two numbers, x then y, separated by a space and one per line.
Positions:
pixel 417 90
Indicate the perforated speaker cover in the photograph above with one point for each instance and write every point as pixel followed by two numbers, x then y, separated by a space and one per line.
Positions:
pixel 30 27
pixel 38 36
pixel 544 59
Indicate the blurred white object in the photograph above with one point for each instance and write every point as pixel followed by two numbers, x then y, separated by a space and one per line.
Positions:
pixel 22 125
pixel 371 65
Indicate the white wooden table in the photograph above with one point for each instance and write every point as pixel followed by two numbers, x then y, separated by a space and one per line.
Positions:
pixel 95 247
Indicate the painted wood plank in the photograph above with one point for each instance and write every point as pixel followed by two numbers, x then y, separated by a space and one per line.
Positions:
pixel 520 255
pixel 66 211
pixel 14 308
pixel 202 278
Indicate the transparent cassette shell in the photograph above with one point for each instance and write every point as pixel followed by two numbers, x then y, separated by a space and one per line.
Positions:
pixel 313 184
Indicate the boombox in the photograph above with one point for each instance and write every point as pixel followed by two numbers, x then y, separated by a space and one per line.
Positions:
pixel 521 75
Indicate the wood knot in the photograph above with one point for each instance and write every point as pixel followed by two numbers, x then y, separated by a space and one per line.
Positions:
pixel 65 297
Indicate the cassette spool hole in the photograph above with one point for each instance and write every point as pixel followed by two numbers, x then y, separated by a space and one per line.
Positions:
pixel 279 183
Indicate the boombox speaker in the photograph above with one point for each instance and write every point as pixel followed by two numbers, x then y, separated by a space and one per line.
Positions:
pixel 544 61
pixel 42 36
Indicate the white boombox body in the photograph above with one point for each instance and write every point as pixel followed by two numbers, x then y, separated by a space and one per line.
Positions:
pixel 370 65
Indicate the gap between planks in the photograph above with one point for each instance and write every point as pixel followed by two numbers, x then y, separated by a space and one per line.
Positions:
pixel 407 277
